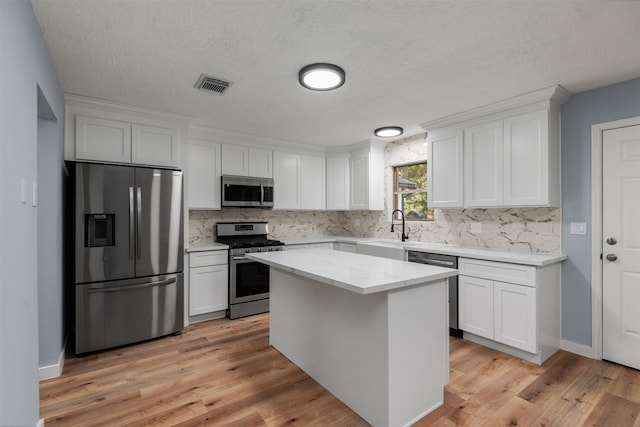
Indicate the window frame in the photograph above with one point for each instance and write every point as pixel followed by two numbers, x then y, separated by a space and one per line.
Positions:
pixel 395 169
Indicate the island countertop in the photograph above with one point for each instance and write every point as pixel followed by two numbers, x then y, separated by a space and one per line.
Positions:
pixel 357 273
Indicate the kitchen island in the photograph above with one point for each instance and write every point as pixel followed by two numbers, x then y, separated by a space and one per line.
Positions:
pixel 372 331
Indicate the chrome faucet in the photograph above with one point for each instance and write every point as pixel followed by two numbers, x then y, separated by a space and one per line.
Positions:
pixel 404 236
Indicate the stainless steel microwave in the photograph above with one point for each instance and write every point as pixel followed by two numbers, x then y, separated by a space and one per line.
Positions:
pixel 247 192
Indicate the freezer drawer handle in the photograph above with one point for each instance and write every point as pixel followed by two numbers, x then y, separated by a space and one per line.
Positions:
pixel 129 287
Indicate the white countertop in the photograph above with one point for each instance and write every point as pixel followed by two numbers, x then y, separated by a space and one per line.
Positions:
pixel 362 274
pixel 500 255
pixel 209 246
pixel 489 254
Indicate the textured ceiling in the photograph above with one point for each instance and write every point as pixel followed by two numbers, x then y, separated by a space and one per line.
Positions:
pixel 407 62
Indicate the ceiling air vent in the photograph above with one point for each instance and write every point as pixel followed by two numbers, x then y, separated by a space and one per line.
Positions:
pixel 212 84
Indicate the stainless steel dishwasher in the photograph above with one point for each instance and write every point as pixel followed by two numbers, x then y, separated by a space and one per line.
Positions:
pixel 448 261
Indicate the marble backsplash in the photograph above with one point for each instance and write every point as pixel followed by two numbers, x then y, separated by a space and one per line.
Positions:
pixel 532 230
pixel 282 224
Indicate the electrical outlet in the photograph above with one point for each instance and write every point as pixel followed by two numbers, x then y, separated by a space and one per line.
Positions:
pixel 475 227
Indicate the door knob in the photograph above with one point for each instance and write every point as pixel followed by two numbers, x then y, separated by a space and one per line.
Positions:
pixel 611 241
pixel 612 257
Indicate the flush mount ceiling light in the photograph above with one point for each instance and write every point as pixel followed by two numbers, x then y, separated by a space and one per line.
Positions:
pixel 321 76
pixel 388 131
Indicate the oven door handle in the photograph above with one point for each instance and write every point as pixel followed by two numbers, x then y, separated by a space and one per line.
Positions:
pixel 238 258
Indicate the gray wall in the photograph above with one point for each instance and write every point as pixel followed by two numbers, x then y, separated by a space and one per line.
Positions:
pixel 25 65
pixel 583 110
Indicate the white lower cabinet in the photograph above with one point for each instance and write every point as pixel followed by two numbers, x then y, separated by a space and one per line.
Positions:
pixel 511 306
pixel 208 282
pixel 515 315
pixel 475 304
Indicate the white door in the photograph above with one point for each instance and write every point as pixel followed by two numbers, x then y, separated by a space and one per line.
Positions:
pixel 621 245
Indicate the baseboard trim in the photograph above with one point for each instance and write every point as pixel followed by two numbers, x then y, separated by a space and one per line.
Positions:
pixel 55 370
pixel 579 349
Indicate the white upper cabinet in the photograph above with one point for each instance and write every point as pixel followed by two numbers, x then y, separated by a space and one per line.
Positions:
pixel 106 132
pixel 298 181
pixel 203 174
pixel 103 140
pixel 235 160
pixel 531 160
pixel 286 180
pixel 483 165
pixel 511 154
pixel 247 161
pixel 338 183
pixel 445 169
pixel 155 145
pixel 312 183
pixel 366 178
pixel 260 162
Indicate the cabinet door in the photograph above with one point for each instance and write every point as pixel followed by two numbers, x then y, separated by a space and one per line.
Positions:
pixel 151 145
pixel 260 162
pixel 338 183
pixel 483 165
pixel 208 289
pixel 515 315
pixel 286 180
pixel 359 180
pixel 312 183
pixel 526 160
pixel 475 305
pixel 235 160
pixel 104 140
pixel 203 174
pixel 445 170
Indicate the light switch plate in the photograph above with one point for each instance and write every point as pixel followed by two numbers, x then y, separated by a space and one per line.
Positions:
pixel 579 228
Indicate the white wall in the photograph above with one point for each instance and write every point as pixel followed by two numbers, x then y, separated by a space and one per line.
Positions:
pixel 24 65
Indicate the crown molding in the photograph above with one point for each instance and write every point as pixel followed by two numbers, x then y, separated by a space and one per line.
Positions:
pixel 549 97
pixel 78 101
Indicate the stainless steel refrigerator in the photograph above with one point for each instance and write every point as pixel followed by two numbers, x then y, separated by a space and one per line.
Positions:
pixel 128 254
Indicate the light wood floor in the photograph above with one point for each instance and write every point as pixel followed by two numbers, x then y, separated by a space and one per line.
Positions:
pixel 224 372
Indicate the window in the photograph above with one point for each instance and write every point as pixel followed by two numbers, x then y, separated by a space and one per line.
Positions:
pixel 410 192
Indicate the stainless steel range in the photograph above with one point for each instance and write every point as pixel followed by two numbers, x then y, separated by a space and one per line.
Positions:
pixel 248 280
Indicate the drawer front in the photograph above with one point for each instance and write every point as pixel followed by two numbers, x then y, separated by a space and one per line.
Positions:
pixel 501 271
pixel 200 259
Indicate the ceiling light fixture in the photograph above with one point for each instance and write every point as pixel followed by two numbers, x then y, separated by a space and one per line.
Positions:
pixel 388 131
pixel 321 76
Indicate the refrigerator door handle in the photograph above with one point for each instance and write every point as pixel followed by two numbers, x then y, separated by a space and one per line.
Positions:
pixel 129 287
pixel 131 225
pixel 139 224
